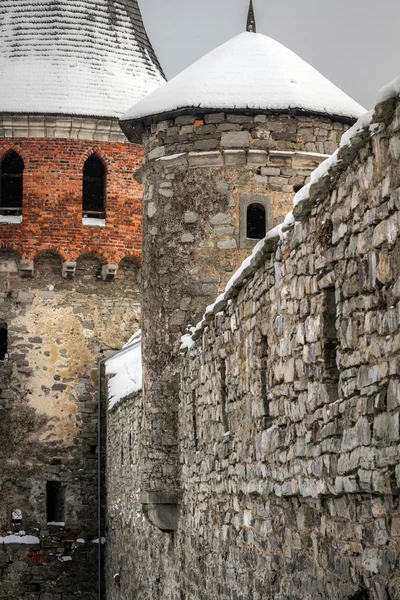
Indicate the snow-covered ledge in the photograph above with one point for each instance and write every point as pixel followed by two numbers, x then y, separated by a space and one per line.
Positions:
pixel 12 219
pixel 90 222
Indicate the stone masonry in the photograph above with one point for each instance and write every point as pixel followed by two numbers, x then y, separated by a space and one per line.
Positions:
pixel 199 172
pixel 289 408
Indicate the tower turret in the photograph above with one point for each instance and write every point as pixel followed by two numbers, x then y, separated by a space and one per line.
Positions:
pixel 226 143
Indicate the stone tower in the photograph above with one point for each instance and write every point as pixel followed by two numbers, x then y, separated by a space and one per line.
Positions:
pixel 70 248
pixel 227 142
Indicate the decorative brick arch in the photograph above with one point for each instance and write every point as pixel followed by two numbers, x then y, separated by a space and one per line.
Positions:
pixel 134 256
pixel 48 248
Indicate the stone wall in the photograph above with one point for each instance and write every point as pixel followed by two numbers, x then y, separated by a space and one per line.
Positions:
pixel 139 557
pixel 199 173
pixel 289 421
pixel 58 329
pixel 289 408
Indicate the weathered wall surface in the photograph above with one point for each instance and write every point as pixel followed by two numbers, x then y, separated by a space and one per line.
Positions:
pixel 289 422
pixel 58 329
pixel 140 559
pixel 197 175
pixel 289 413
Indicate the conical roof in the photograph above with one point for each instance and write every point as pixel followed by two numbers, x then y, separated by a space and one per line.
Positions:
pixel 74 57
pixel 250 71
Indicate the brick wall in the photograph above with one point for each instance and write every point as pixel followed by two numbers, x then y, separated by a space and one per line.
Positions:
pixel 52 200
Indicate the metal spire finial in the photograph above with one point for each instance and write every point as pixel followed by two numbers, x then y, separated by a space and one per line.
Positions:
pixel 251 20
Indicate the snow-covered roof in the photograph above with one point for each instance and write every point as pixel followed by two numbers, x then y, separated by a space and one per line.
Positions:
pixel 74 57
pixel 250 71
pixel 126 368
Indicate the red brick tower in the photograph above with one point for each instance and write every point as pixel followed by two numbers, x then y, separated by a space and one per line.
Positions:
pixel 70 244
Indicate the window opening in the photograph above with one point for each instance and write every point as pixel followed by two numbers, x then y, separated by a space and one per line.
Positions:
pixel 256 224
pixel 16 516
pixel 297 188
pixel 264 376
pixel 3 342
pixel 55 502
pixel 360 595
pixel 194 414
pixel 94 187
pixel 330 337
pixel 224 394
pixel 11 184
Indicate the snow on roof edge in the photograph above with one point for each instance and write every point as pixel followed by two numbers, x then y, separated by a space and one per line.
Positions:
pixel 365 124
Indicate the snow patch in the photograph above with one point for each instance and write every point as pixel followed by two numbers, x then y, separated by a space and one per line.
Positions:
pixel 20 539
pixel 250 71
pixel 90 222
pixel 126 368
pixel 10 219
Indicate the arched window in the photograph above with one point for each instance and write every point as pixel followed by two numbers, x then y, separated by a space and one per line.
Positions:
pixel 16 516
pixel 256 226
pixel 94 188
pixel 11 182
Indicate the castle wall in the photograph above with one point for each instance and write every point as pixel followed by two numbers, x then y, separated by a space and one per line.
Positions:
pixel 199 173
pixel 52 198
pixel 139 557
pixel 289 407
pixel 58 329
pixel 289 421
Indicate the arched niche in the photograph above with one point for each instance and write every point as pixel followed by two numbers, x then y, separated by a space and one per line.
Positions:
pixel 88 267
pixel 48 265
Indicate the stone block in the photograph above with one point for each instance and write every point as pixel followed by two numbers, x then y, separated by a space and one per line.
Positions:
pixel 235 139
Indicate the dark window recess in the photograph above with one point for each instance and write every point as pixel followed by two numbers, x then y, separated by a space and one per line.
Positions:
pixel 297 188
pixel 16 516
pixel 194 414
pixel 264 376
pixel 55 502
pixel 224 396
pixel 94 188
pixel 255 222
pixel 360 595
pixel 11 183
pixel 329 336
pixel 3 342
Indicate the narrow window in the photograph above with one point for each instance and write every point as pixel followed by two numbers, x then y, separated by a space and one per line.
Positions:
pixel 224 394
pixel 264 376
pixel 16 516
pixel 11 183
pixel 55 502
pixel 3 342
pixel 194 414
pixel 94 187
pixel 329 336
pixel 256 225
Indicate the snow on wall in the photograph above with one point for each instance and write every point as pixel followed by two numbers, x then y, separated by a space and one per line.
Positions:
pixel 126 368
pixel 75 57
pixel 364 124
pixel 249 71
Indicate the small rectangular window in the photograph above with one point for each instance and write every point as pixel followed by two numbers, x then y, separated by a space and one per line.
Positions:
pixel 264 376
pixel 3 342
pixel 224 394
pixel 329 336
pixel 55 502
pixel 194 414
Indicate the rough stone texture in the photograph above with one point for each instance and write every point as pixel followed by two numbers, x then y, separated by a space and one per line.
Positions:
pixel 289 410
pixel 58 329
pixel 138 556
pixel 194 259
pixel 52 200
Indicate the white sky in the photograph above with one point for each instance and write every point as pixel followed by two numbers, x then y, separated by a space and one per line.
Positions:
pixel 355 43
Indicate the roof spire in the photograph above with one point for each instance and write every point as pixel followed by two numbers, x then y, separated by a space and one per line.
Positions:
pixel 251 20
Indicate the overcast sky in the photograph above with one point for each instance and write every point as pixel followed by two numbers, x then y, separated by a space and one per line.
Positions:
pixel 355 43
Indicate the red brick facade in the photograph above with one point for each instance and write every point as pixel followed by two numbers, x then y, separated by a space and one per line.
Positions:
pixel 52 200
